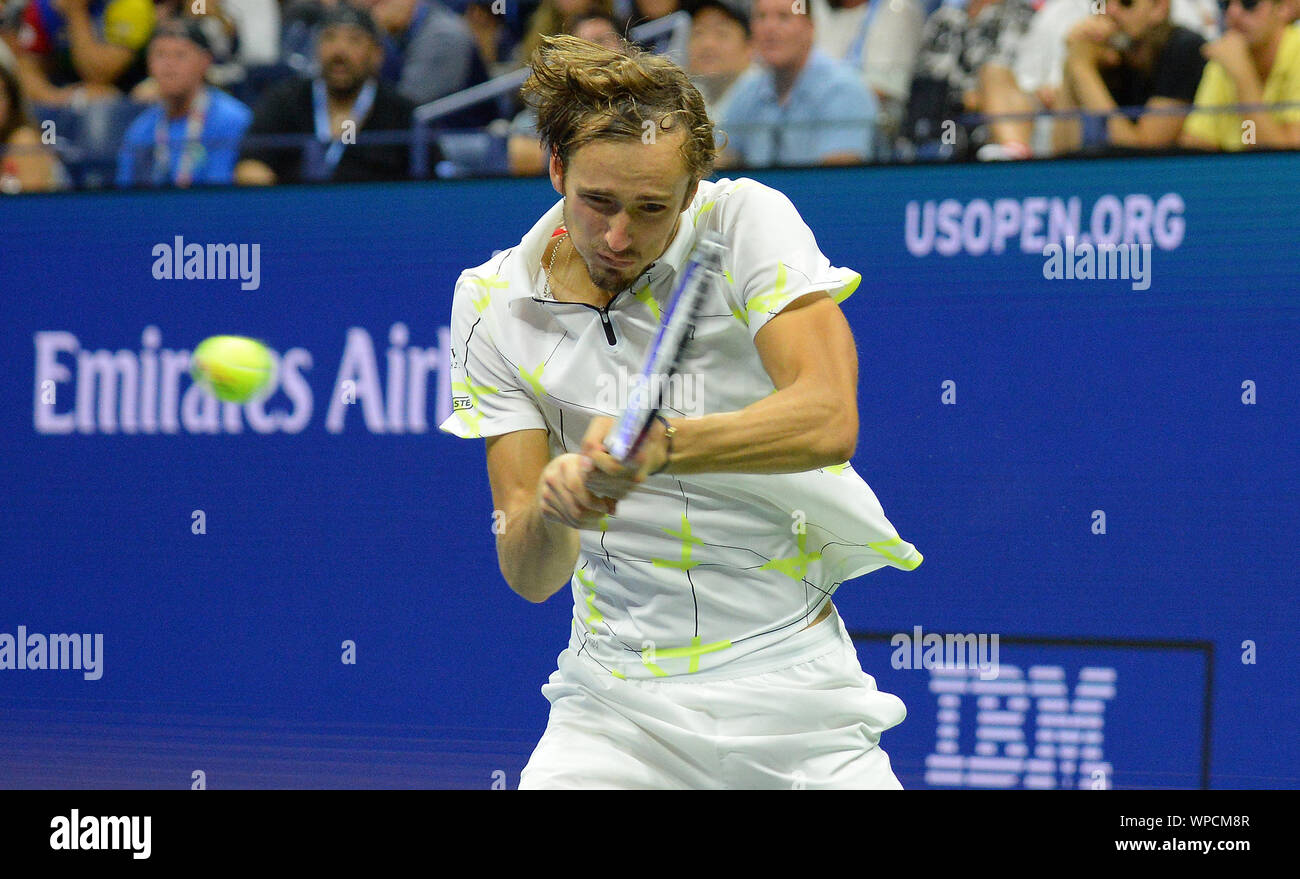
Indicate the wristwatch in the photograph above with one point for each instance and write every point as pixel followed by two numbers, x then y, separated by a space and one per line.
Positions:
pixel 669 431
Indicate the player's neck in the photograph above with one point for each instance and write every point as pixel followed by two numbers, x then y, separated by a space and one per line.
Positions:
pixel 568 275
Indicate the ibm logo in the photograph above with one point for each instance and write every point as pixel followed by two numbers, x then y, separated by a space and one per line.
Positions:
pixel 1012 711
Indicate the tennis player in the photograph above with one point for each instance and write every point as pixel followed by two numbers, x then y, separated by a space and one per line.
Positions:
pixel 705 650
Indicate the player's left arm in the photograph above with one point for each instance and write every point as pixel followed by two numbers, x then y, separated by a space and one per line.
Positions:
pixel 810 421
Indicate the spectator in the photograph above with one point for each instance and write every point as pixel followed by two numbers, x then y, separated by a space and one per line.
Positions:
pixel 243 34
pixel 557 17
pixel 802 107
pixel 26 165
pixel 524 152
pixel 1040 58
pixel 646 11
pixel 963 52
pixel 1257 60
pixel 71 49
pixel 879 39
pixel 1201 16
pixel 258 25
pixel 218 29
pixel 339 107
pixel 299 23
pixel 719 51
pixel 191 136
pixel 429 53
pixel 496 41
pixel 1133 56
pixel 1040 64
pixel 597 28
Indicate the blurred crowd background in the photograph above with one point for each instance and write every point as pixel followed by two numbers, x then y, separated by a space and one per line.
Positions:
pixel 130 93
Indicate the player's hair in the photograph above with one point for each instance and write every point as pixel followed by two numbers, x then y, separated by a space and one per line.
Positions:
pixel 583 92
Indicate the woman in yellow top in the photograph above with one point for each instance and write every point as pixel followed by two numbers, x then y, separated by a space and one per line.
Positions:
pixel 1256 61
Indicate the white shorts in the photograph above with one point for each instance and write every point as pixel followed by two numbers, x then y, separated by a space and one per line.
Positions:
pixel 813 721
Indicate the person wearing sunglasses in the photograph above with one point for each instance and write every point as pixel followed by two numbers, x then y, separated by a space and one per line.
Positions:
pixel 1132 57
pixel 1256 61
pixel 1035 82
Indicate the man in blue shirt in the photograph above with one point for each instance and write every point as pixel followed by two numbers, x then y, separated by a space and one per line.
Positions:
pixel 802 107
pixel 191 136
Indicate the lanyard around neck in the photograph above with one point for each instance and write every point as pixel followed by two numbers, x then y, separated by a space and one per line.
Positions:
pixel 324 131
pixel 191 145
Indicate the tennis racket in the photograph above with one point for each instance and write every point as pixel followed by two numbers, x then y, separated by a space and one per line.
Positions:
pixel 703 272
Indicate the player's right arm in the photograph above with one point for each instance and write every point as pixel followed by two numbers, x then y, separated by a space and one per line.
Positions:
pixel 545 504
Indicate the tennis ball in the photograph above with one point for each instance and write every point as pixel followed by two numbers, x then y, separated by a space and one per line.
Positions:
pixel 234 368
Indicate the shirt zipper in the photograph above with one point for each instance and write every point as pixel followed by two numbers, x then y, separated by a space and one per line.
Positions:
pixel 605 322
pixel 609 327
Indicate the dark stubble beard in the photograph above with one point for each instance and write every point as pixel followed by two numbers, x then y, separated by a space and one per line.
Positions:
pixel 342 89
pixel 608 280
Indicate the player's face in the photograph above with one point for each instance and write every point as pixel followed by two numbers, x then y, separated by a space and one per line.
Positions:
pixel 622 202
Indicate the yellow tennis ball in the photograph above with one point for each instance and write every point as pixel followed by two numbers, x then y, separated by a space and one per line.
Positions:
pixel 234 368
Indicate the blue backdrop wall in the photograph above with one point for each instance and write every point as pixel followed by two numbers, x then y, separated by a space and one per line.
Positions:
pixel 1158 653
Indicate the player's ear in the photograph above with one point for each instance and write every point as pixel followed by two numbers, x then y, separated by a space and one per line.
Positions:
pixel 557 172
pixel 690 194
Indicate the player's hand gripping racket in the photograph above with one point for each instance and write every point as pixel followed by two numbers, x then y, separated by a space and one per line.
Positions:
pixel 703 272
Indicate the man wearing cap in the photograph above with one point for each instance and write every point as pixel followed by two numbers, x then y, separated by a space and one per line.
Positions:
pixel 340 107
pixel 191 135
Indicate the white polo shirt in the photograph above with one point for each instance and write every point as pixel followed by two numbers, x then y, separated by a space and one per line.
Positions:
pixel 699 571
